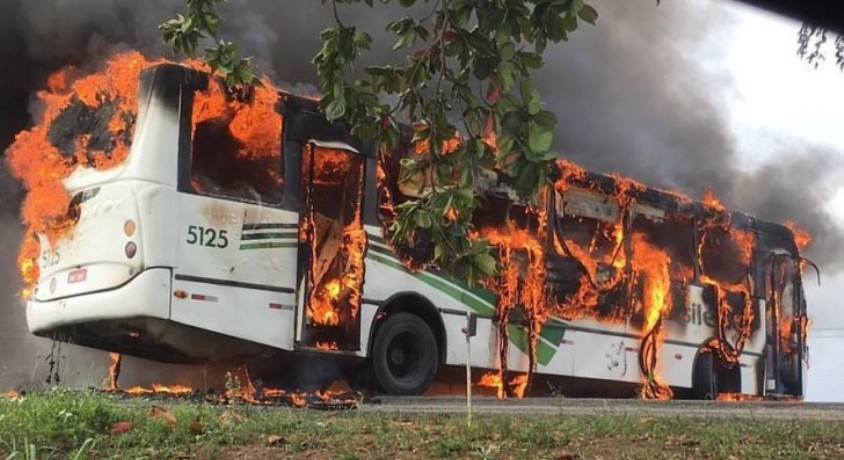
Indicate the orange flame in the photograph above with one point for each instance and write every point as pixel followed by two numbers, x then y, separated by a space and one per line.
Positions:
pixel 42 165
pixel 651 264
pixel 327 345
pixel 35 160
pixel 114 371
pixel 514 289
pixel 713 202
pixel 801 237
pixel 160 389
pixel 334 299
pixel 516 386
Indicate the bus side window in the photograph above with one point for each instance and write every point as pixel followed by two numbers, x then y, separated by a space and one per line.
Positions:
pixel 391 189
pixel 586 223
pixel 244 166
pixel 726 253
pixel 674 235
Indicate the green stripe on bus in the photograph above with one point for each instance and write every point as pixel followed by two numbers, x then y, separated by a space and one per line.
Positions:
pixel 270 245
pixel 442 286
pixel 518 336
pixel 268 226
pixel 553 334
pixel 485 294
pixel 268 236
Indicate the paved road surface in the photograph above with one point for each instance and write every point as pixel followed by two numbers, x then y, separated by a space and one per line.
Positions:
pixel 782 410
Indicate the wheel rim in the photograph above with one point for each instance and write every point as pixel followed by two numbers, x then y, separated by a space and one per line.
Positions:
pixel 403 355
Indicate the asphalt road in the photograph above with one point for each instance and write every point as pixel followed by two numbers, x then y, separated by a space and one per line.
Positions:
pixel 781 410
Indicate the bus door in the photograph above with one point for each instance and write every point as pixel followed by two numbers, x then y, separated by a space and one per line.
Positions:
pixel 787 322
pixel 332 242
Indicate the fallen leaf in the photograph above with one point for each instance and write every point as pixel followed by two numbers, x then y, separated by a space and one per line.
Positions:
pixel 160 412
pixel 276 440
pixel 121 427
pixel 195 427
pixel 231 417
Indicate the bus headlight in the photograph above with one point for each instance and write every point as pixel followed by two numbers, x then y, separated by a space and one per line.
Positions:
pixel 131 249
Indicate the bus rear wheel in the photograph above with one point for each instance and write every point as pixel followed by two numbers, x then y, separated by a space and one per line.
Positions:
pixel 404 355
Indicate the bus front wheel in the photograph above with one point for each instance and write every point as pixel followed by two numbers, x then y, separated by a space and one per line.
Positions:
pixel 711 378
pixel 404 355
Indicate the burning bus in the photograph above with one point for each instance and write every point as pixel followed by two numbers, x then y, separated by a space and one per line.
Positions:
pixel 170 220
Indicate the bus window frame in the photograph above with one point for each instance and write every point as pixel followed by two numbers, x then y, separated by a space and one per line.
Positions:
pixel 185 152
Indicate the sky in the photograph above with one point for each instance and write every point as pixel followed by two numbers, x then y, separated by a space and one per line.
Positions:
pixel 778 99
pixel 691 94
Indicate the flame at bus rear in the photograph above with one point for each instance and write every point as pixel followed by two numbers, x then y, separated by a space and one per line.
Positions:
pixel 88 120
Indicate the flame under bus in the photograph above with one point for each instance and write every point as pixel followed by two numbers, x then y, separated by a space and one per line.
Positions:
pixel 208 243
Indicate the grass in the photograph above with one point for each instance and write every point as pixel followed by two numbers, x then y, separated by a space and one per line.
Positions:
pixel 79 425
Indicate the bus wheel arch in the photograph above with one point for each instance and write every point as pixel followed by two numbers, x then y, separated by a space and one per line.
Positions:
pixel 710 377
pixel 406 327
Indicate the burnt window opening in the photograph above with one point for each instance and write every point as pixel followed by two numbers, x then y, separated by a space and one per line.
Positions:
pixel 783 295
pixel 219 169
pixel 587 226
pixel 391 189
pixel 726 254
pixel 499 211
pixel 236 148
pixel 672 234
pixel 585 267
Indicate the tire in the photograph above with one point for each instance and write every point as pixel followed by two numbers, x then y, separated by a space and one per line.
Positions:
pixel 404 355
pixel 710 378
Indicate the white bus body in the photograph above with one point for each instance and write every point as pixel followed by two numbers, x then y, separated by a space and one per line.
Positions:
pixel 157 270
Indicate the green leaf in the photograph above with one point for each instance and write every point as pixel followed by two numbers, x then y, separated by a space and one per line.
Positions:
pixel 546 119
pixel 506 71
pixel 363 40
pixel 589 14
pixel 539 138
pixel 485 263
pixel 335 109
pixel 530 96
pixel 423 219
pixel 439 250
pixel 527 178
pixel 505 144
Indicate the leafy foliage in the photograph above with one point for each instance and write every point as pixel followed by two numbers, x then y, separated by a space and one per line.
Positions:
pixel 464 86
pixel 184 33
pixel 467 71
pixel 811 41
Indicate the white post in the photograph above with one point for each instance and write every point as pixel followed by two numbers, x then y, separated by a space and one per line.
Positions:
pixel 469 330
pixel 469 379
